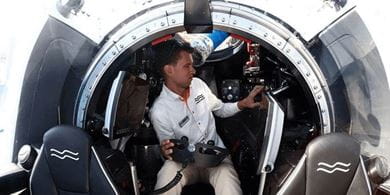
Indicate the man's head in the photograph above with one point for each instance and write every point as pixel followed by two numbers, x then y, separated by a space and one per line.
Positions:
pixel 174 61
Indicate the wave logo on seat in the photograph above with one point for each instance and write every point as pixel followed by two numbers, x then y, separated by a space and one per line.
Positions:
pixel 338 166
pixel 64 154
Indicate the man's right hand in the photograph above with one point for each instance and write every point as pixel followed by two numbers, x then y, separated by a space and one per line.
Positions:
pixel 166 149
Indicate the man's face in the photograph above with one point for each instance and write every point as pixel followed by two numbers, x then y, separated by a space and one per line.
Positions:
pixel 183 71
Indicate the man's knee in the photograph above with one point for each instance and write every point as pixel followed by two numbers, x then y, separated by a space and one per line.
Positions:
pixel 167 173
pixel 169 169
pixel 225 180
pixel 226 170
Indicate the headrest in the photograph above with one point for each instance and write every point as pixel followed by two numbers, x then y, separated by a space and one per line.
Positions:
pixel 67 152
pixel 331 164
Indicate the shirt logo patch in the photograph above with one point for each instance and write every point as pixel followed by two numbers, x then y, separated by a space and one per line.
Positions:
pixel 184 121
pixel 199 98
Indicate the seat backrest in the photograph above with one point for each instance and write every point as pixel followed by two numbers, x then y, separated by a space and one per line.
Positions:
pixel 68 164
pixel 331 165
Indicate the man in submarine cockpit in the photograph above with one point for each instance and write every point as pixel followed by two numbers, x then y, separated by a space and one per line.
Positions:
pixel 185 107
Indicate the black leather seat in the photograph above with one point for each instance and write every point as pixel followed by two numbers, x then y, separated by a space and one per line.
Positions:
pixel 331 165
pixel 68 164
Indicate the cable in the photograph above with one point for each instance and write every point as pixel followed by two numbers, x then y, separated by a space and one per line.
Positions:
pixel 172 183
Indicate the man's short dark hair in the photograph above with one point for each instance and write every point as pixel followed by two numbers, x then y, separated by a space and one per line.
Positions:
pixel 168 51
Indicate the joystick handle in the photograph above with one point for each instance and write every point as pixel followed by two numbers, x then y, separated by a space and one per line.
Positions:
pixel 211 142
pixel 184 138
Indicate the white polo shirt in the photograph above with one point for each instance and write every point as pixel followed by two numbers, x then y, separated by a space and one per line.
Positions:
pixel 172 117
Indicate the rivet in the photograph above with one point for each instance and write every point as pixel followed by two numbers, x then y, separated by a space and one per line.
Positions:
pixel 279 43
pixel 133 37
pixel 104 63
pixel 319 97
pixel 250 28
pixel 173 21
pixel 121 46
pixel 265 34
pixel 234 22
pixel 315 87
pixel 323 111
pixel 223 20
pixel 162 24
pixel 299 62
pixel 288 50
pixel 308 74
pixel 114 53
pixel 147 29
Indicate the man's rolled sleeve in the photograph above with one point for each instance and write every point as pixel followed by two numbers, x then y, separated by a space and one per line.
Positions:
pixel 217 106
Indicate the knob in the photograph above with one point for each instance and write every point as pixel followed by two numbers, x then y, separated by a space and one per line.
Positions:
pixel 211 142
pixel 26 157
pixel 184 138
pixel 378 169
pixel 230 97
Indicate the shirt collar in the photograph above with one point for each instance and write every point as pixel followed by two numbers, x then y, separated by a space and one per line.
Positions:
pixel 167 92
pixel 170 93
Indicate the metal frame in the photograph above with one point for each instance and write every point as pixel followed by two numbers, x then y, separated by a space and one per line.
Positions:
pixel 226 16
pixel 112 105
pixel 272 137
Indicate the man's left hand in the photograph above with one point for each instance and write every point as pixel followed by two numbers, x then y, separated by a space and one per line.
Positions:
pixel 249 101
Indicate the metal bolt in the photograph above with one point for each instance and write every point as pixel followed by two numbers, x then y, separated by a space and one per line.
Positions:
pixel 162 24
pixel 308 74
pixel 267 168
pixel 319 96
pixel 147 29
pixel 288 50
pixel 121 46
pixel 234 22
pixel 265 34
pixel 173 21
pixel 133 37
pixel 279 43
pixel 323 111
pixel 315 87
pixel 251 27
pixel 104 63
pixel 223 20
pixel 299 62
pixel 114 53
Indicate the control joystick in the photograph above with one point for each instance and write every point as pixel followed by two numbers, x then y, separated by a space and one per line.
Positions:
pixel 181 152
pixel 200 154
